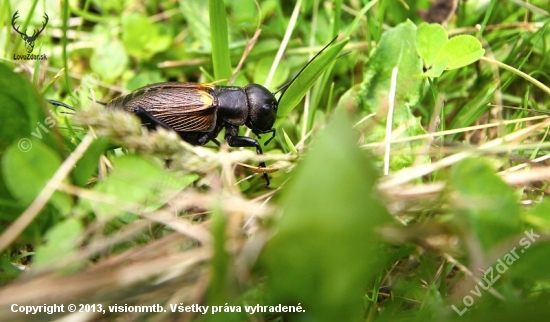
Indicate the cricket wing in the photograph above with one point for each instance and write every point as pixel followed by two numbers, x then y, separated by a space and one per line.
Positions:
pixel 185 107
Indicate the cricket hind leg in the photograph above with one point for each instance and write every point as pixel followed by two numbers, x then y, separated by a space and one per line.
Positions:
pixel 245 142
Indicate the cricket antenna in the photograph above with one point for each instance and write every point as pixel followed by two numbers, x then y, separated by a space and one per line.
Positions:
pixel 98 102
pixel 522 109
pixel 285 86
pixel 58 103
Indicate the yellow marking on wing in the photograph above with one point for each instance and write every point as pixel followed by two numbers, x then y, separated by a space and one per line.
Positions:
pixel 206 98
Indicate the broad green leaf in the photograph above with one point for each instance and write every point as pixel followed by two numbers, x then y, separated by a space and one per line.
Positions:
pixel 326 247
pixel 109 58
pixel 430 38
pixel 460 51
pixel 19 113
pixel 143 38
pixel 395 49
pixel 144 78
pixel 87 165
pixel 61 242
pixel 436 69
pixel 22 111
pixel 136 180
pixel 261 71
pixel 486 206
pixel 539 216
pixel 532 249
pixel 161 42
pixel 26 173
pixel 8 271
pixel 298 89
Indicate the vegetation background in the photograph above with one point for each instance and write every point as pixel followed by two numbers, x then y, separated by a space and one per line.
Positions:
pixel 439 212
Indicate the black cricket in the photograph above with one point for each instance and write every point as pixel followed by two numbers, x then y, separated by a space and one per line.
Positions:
pixel 198 112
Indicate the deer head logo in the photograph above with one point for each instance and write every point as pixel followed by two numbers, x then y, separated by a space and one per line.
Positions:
pixel 29 40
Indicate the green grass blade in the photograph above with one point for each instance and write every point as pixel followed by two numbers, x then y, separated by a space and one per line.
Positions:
pixel 291 145
pixel 359 16
pixel 298 89
pixel 64 43
pixel 220 44
pixel 284 43
pixel 337 18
